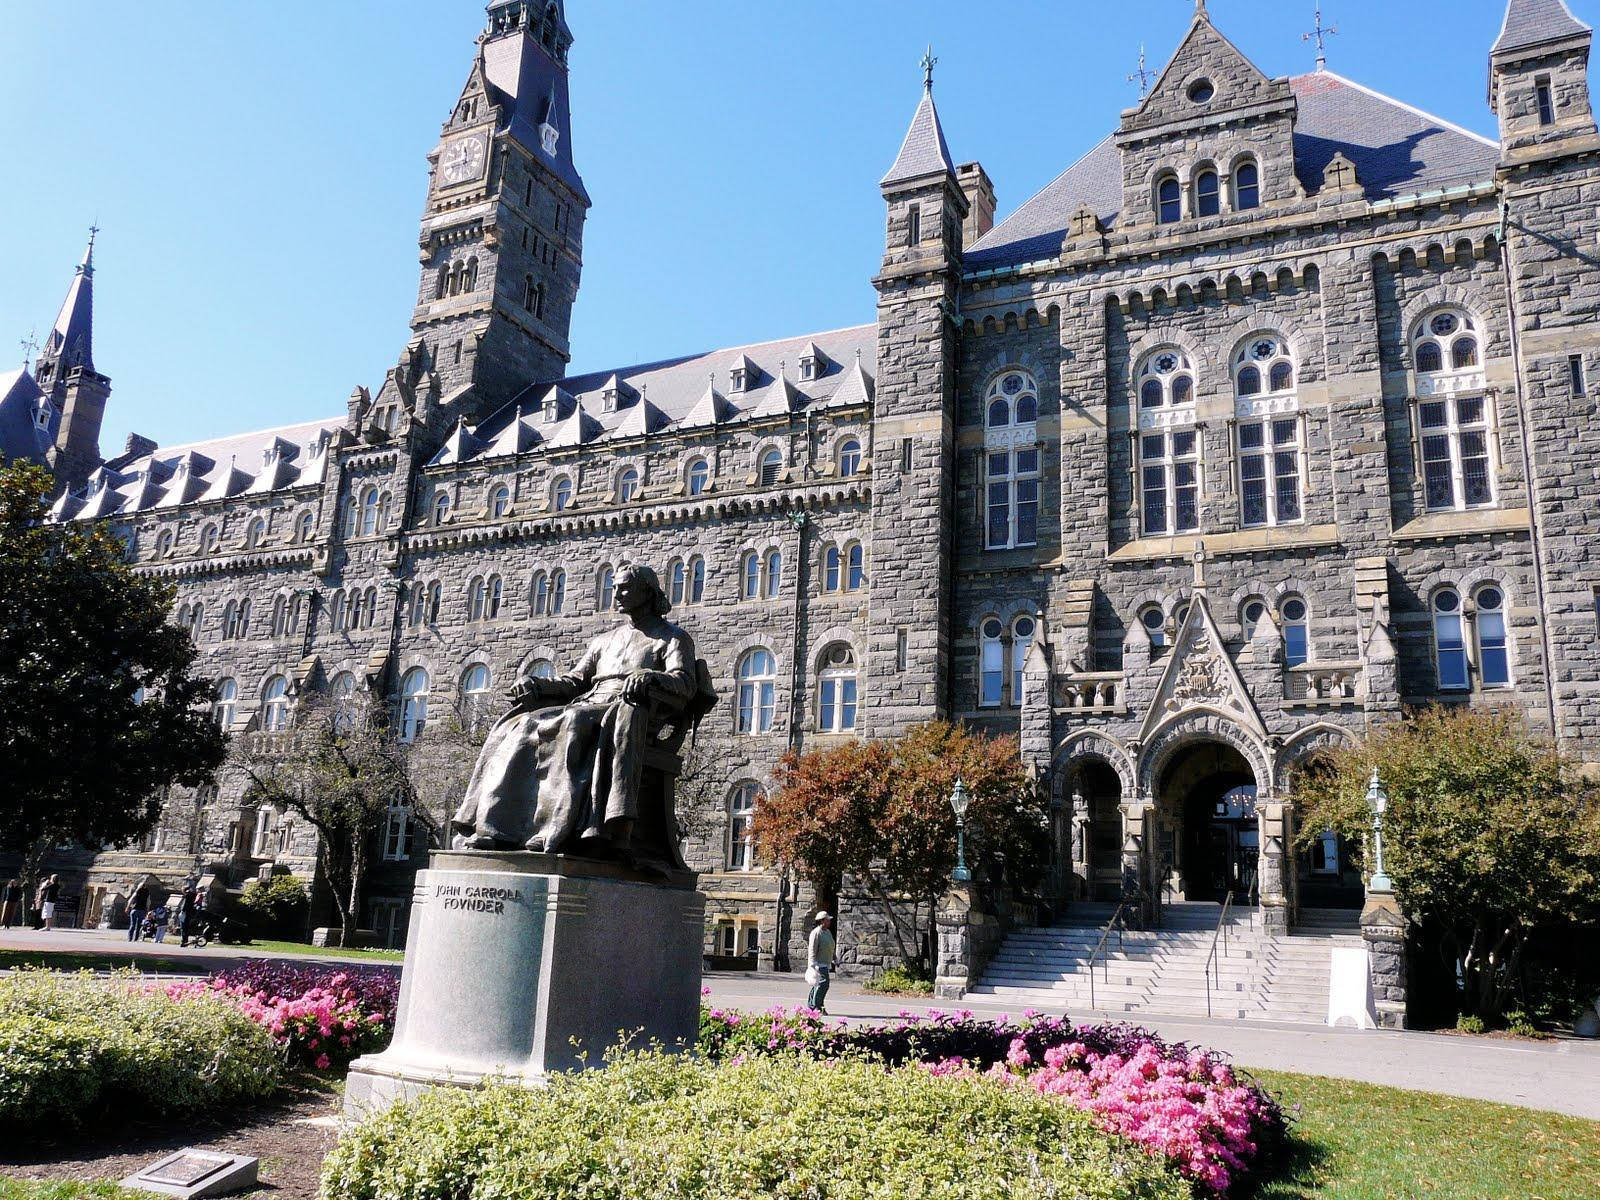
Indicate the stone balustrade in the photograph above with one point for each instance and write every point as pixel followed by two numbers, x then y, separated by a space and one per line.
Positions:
pixel 1325 685
pixel 1090 691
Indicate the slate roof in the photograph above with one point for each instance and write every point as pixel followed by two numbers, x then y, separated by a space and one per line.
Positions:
pixel 21 438
pixel 1397 150
pixel 924 151
pixel 72 337
pixel 1533 22
pixel 534 89
pixel 681 394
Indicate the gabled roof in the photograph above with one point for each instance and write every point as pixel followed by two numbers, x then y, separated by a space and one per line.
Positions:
pixel 532 87
pixel 21 437
pixel 1397 150
pixel 1530 23
pixel 72 338
pixel 1206 48
pixel 924 151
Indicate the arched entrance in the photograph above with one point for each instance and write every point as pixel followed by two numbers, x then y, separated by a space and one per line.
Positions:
pixel 1095 789
pixel 1210 834
pixel 1327 868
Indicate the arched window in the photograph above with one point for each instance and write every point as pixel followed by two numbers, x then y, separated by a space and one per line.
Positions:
pixel 838 685
pixel 1453 415
pixel 832 569
pixel 686 580
pixel 1445 335
pixel 477 598
pixel 772 573
pixel 369 511
pixel 1494 662
pixel 1011 461
pixel 1264 356
pixel 541 668
pixel 336 612
pixel 558 591
pixel 342 691
pixel 741 811
pixel 991 663
pixel 561 494
pixel 279 616
pixel 1246 185
pixel 677 577
pixel 750 573
pixel 1449 639
pixel 1293 619
pixel 164 544
pixel 1207 194
pixel 1021 641
pixel 699 476
pixel 413 704
pixel 442 289
pixel 209 539
pixel 627 485
pixel 441 508
pixel 371 605
pixel 757 692
pixel 771 467
pixel 475 682
pixel 255 534
pixel 1268 432
pixel 275 704
pixel 855 574
pixel 605 592
pixel 697 579
pixel 302 527
pixel 196 621
pixel 1165 379
pixel 1169 201
pixel 849 457
pixel 494 592
pixel 225 706
pixel 1154 622
pixel 471 283
pixel 1250 614
pixel 541 594
pixel 499 501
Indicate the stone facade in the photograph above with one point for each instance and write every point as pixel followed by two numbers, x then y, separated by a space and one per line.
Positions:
pixel 1268 418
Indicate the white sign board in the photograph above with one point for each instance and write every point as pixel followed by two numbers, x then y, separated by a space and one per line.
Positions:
pixel 1350 988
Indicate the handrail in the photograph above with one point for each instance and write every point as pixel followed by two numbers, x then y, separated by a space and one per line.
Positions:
pixel 1211 959
pixel 1116 922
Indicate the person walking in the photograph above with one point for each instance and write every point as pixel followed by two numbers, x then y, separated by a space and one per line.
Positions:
pixel 49 892
pixel 11 908
pixel 159 916
pixel 138 904
pixel 186 911
pixel 820 949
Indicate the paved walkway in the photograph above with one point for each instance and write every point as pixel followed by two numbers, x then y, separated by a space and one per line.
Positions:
pixel 114 943
pixel 1558 1076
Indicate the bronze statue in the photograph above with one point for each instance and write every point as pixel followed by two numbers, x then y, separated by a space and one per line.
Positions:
pixel 563 771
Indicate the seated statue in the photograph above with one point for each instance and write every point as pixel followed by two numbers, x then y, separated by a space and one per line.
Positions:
pixel 562 771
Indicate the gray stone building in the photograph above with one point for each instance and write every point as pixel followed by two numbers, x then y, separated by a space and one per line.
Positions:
pixel 1268 417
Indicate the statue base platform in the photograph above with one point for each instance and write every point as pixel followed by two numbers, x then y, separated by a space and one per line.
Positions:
pixel 519 965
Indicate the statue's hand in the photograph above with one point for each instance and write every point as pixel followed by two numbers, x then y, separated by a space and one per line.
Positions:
pixel 528 687
pixel 636 688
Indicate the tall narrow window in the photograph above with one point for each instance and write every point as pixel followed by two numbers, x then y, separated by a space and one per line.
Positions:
pixel 561 494
pixel 1575 374
pixel 397 831
pixel 991 664
pixel 1169 202
pixel 1021 641
pixel 699 476
pixel 677 579
pixel 413 704
pixel 773 572
pixel 1207 194
pixel 1246 186
pixel 1269 471
pixel 902 646
pixel 1170 471
pixel 606 592
pixel 345 704
pixel 475 682
pixel 1546 101
pixel 697 579
pixel 369 511
pixel 275 704
pixel 832 573
pixel 1449 640
pixel 771 467
pixel 757 692
pixel 905 455
pixel 1296 631
pixel 1455 452
pixel 558 591
pixel 741 812
pixel 913 226
pixel 837 687
pixel 849 457
pixel 628 485
pixel 226 704
pixel 855 574
pixel 1494 663
pixel 499 501
pixel 441 508
pixel 1011 461
pixel 475 595
pixel 751 574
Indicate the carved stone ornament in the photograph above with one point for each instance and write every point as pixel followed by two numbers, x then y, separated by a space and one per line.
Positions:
pixel 1201 678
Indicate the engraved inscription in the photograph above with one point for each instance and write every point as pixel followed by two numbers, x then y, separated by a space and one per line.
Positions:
pixel 468 898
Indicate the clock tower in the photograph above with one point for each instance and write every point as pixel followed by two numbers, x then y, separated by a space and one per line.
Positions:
pixel 502 236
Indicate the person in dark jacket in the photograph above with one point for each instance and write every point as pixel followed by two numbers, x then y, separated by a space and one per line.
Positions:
pixel 11 908
pixel 138 906
pixel 187 909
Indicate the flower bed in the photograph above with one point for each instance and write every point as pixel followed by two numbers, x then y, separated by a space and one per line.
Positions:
pixel 321 1017
pixel 1186 1104
pixel 76 1048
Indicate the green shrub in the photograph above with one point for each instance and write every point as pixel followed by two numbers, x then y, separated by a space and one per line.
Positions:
pixel 899 981
pixel 1470 1023
pixel 276 907
pixel 74 1048
pixel 656 1125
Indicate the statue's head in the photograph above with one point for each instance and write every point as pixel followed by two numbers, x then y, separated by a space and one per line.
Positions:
pixel 637 587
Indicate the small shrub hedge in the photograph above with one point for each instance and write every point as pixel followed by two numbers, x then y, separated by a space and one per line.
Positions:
pixel 651 1124
pixel 74 1047
pixel 276 907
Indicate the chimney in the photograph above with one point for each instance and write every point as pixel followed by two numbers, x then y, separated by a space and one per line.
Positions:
pixel 974 182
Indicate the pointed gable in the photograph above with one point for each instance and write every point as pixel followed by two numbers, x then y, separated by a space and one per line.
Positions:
pixel 1531 23
pixel 640 420
pixel 460 446
pixel 71 339
pixel 854 388
pixel 778 400
pixel 576 430
pixel 1204 56
pixel 923 152
pixel 710 409
pixel 1199 674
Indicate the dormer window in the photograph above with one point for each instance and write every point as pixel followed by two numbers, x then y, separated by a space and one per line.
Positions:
pixel 738 379
pixel 1169 200
pixel 808 367
pixel 552 411
pixel 608 400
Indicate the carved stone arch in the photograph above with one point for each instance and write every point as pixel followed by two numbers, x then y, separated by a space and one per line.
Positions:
pixel 1004 360
pixel 1295 585
pixel 740 648
pixel 1434 581
pixel 1440 296
pixel 1240 332
pixel 1324 735
pixel 832 636
pixel 1196 725
pixel 1092 745
pixel 543 652
pixel 989 328
pixel 1142 600
pixel 1155 337
pixel 1052 313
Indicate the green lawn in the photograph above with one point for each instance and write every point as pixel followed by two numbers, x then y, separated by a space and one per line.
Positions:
pixel 64 1189
pixel 300 948
pixel 76 960
pixel 1354 1141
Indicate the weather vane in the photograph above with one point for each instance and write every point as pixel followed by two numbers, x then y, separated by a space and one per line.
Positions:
pixel 927 64
pixel 30 347
pixel 1320 35
pixel 1142 75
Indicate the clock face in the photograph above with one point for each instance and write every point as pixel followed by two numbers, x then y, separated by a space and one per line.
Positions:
pixel 461 161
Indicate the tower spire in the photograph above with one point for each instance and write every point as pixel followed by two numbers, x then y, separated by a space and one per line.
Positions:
pixel 927 64
pixel 71 341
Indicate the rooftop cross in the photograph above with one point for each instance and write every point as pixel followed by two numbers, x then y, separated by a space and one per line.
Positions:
pixel 1142 75
pixel 1320 35
pixel 927 64
pixel 30 347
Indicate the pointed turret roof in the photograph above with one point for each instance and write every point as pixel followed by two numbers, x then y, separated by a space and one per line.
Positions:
pixel 1533 23
pixel 924 151
pixel 642 419
pixel 72 339
pixel 21 436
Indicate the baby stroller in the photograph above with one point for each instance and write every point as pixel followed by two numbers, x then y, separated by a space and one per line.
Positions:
pixel 212 927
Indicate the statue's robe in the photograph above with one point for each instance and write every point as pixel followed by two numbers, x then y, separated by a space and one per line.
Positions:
pixel 554 770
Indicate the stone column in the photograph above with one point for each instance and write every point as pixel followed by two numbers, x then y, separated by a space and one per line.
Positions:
pixel 965 937
pixel 1272 870
pixel 1082 818
pixel 1383 929
pixel 1138 819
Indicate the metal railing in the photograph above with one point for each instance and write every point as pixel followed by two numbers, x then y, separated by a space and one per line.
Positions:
pixel 1211 959
pixel 1118 921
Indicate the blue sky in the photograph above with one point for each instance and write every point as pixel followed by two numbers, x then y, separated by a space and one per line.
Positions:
pixel 258 168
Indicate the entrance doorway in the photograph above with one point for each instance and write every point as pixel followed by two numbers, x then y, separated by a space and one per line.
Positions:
pixel 1097 782
pixel 1210 841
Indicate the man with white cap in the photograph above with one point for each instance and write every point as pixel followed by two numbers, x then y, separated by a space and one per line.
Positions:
pixel 819 961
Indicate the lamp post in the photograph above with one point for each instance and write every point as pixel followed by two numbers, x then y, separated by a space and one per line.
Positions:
pixel 1378 803
pixel 959 799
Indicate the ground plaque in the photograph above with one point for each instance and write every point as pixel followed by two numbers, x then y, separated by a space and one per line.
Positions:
pixel 192 1174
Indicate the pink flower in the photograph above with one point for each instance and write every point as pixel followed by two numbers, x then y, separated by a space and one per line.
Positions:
pixel 323 1062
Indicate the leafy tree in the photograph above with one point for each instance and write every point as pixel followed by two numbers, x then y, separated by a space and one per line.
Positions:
pixel 879 812
pixel 99 709
pixel 1489 834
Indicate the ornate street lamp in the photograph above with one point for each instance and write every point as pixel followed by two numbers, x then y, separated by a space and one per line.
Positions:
pixel 959 799
pixel 1378 803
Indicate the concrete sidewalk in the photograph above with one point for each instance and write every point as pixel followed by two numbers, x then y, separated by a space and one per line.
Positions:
pixel 114 943
pixel 1557 1076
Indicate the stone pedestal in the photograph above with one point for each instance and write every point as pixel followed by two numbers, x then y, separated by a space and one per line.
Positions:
pixel 1383 928
pixel 519 965
pixel 966 939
